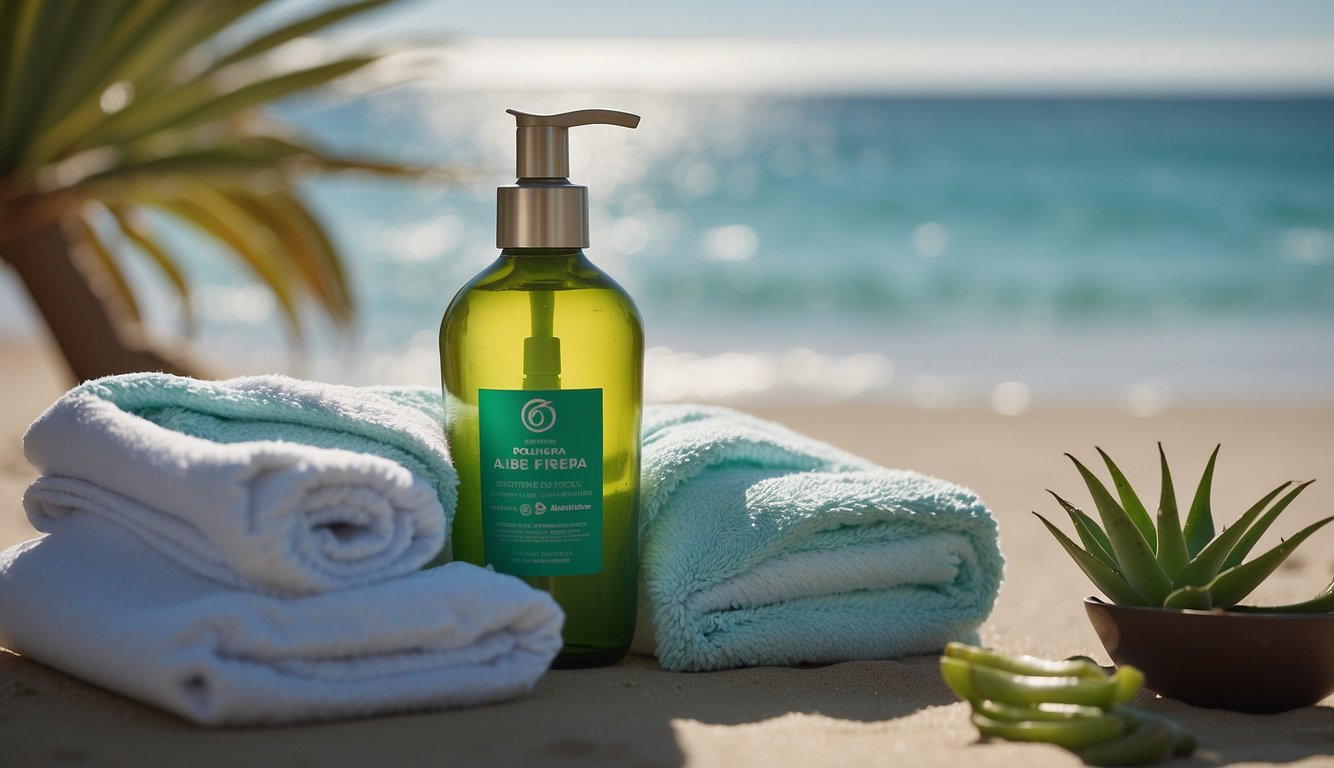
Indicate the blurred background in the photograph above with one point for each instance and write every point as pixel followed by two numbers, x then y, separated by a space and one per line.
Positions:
pixel 954 205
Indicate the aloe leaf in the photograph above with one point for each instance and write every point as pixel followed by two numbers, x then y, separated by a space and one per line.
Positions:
pixel 1130 502
pixel 296 29
pixel 135 231
pixel 1172 554
pixel 1253 534
pixel 1112 584
pixel 1205 566
pixel 1094 539
pixel 116 276
pixel 1139 567
pixel 1199 529
pixel 1189 598
pixel 1234 584
pixel 1323 602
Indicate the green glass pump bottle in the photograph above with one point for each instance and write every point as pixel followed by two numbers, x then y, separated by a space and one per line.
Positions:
pixel 542 360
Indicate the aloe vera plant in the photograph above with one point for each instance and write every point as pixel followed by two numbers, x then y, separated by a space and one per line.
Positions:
pixel 1137 560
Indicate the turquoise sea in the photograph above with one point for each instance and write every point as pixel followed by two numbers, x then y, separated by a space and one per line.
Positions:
pixel 1004 253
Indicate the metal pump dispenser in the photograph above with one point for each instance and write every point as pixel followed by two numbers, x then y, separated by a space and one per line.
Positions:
pixel 544 210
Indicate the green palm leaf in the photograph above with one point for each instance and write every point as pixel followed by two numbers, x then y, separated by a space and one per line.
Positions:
pixel 71 62
pixel 300 250
pixel 298 216
pixel 204 101
pixel 109 265
pixel 296 29
pixel 213 213
pixel 135 105
pixel 133 20
pixel 136 232
pixel 40 53
pixel 153 55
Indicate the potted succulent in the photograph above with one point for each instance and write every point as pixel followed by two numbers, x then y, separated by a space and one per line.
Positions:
pixel 1175 593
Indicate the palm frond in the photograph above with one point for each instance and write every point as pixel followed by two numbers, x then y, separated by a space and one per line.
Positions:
pixel 137 232
pixel 326 285
pixel 149 58
pixel 292 31
pixel 210 211
pixel 108 264
pixel 40 51
pixel 132 106
pixel 206 100
pixel 71 62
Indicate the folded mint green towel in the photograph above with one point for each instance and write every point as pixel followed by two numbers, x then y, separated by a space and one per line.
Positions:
pixel 401 424
pixel 758 545
pixel 761 546
pixel 265 482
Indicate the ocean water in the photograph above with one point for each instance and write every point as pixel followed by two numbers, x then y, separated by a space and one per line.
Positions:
pixel 1000 253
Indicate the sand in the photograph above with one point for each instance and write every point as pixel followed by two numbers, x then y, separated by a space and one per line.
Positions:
pixel 865 713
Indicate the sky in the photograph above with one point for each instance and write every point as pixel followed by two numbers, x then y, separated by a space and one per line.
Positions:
pixel 871 19
pixel 946 46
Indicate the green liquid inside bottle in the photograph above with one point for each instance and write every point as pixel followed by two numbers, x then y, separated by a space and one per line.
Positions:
pixel 536 352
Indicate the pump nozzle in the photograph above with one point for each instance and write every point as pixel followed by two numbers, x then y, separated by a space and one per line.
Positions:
pixel 543 140
pixel 544 210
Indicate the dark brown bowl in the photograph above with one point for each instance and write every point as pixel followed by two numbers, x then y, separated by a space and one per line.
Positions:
pixel 1246 662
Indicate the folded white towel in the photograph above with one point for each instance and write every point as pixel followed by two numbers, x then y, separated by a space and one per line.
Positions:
pixel 278 515
pixel 92 599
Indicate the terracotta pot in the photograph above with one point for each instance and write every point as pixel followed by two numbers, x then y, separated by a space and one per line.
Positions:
pixel 1246 662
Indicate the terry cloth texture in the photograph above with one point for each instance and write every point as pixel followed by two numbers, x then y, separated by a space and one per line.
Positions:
pixel 762 546
pixel 264 482
pixel 248 552
pixel 92 599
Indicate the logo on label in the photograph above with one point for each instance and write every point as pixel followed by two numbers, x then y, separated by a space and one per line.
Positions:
pixel 538 415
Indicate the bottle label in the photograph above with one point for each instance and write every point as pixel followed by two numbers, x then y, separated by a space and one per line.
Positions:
pixel 541 452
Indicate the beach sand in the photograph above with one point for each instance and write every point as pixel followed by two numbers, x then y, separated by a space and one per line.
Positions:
pixel 863 713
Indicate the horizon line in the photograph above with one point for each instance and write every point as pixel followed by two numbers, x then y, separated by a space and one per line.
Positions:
pixel 875 67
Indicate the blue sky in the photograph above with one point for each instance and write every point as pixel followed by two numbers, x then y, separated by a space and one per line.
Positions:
pixel 952 19
pixel 871 46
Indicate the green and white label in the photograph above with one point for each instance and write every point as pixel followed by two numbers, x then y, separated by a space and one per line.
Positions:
pixel 541 452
